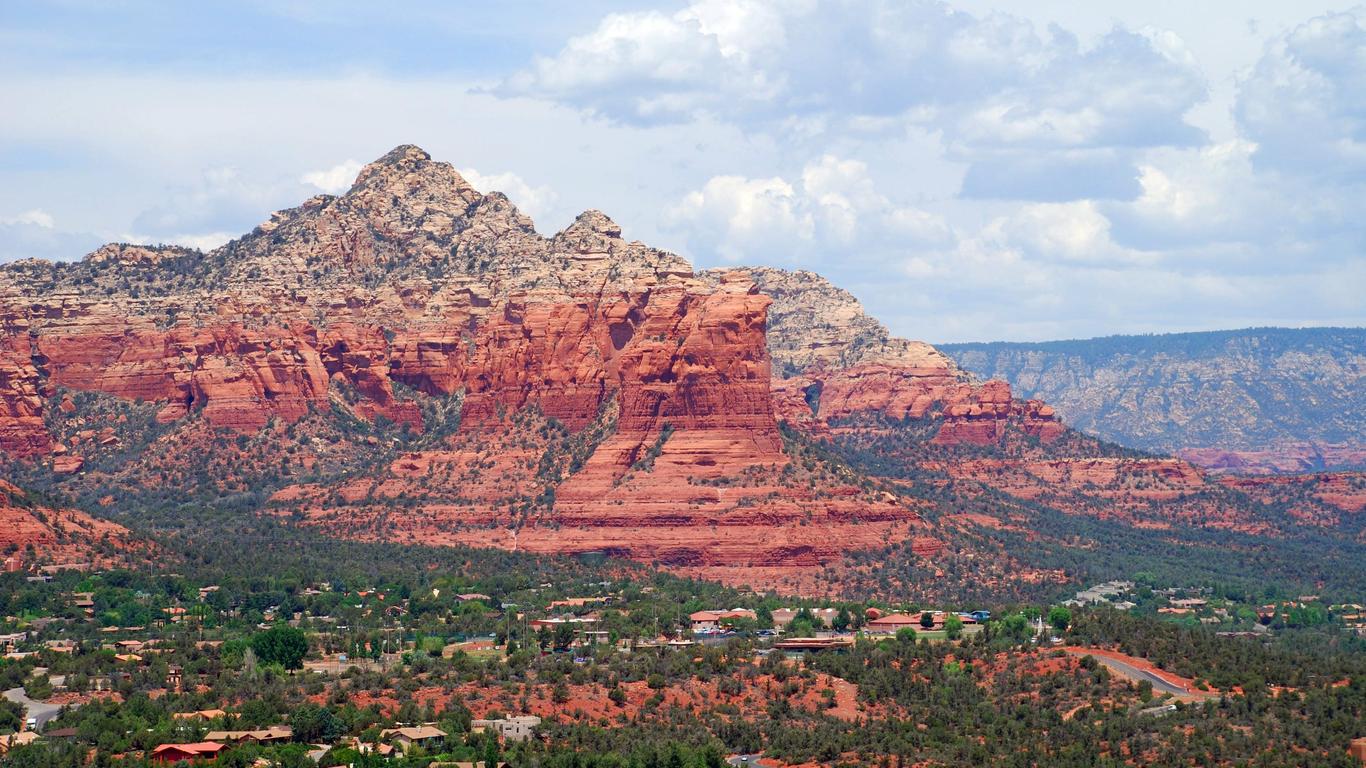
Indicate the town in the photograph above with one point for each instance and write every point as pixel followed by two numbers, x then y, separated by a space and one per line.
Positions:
pixel 322 673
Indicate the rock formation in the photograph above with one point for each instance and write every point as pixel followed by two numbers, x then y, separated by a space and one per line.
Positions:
pixel 412 361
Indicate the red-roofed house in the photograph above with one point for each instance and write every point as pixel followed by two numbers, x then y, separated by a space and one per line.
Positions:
pixel 892 622
pixel 190 753
pixel 708 621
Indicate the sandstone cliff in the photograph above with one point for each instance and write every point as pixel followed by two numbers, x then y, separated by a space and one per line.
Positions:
pixel 411 295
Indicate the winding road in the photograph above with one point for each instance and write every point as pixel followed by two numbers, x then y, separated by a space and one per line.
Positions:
pixel 40 712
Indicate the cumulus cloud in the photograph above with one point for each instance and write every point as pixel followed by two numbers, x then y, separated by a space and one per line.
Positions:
pixel 1033 113
pixel 1291 188
pixel 1304 103
pixel 1060 272
pixel 832 206
pixel 537 202
pixel 334 180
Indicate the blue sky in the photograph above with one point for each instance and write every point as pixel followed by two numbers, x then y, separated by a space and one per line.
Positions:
pixel 972 170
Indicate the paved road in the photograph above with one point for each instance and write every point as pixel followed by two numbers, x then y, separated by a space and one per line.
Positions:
pixel 741 761
pixel 40 712
pixel 1160 684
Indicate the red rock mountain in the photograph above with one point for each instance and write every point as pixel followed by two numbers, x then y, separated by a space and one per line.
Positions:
pixel 413 361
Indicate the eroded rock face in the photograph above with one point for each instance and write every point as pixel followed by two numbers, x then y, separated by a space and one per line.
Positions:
pixel 412 276
pixel 413 279
pixel 839 363
pixel 1282 458
pixel 57 537
pixel 816 325
pixel 22 431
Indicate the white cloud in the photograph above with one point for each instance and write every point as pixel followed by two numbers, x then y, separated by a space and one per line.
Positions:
pixel 204 241
pixel 961 121
pixel 1304 103
pixel 536 202
pixel 743 219
pixel 834 206
pixel 334 180
pixel 37 217
pixel 1010 100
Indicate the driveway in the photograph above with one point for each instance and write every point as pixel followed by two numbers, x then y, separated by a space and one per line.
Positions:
pixel 1160 684
pixel 40 712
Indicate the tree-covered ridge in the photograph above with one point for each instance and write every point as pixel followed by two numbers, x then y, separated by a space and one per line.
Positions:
pixel 1243 389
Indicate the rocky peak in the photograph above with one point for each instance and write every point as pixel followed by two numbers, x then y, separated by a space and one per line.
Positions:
pixel 401 159
pixel 814 324
pixel 591 232
pixel 408 173
pixel 127 253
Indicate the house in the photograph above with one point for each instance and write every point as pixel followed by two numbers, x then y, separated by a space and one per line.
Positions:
pixel 712 621
pixel 577 602
pixel 587 637
pixel 1357 749
pixel 510 728
pixel 271 735
pixel 465 597
pixel 1190 602
pixel 16 740
pixel 11 641
pixel 823 616
pixel 891 623
pixel 407 737
pixel 837 643
pixel 60 646
pixel 366 748
pixel 201 714
pixel 189 753
pixel 555 623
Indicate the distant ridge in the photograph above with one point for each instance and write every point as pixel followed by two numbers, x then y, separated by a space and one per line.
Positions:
pixel 1297 392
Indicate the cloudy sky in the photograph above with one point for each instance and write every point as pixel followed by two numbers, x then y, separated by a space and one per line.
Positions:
pixel 972 170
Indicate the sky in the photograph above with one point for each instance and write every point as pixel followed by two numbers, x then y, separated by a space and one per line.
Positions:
pixel 973 170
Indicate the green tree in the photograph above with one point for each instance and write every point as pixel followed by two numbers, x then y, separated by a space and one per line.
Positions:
pixel 490 749
pixel 1060 617
pixel 281 644
pixel 843 620
pixel 953 627
pixel 312 723
pixel 11 716
pixel 564 636
pixel 926 620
